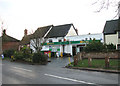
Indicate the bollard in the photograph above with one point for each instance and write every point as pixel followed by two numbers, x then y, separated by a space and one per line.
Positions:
pixel 69 60
pixel 61 54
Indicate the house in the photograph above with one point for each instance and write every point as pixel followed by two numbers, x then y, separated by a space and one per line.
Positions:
pixel 57 39
pixel 9 42
pixel 39 36
pixel 63 39
pixel 112 33
pixel 25 40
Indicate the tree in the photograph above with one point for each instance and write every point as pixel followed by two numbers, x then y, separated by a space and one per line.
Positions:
pixel 106 4
pixel 95 46
pixel 39 37
pixel 37 43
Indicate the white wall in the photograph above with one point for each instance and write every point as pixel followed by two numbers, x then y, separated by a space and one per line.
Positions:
pixel 98 36
pixel 68 49
pixel 113 38
pixel 71 32
pixel 55 39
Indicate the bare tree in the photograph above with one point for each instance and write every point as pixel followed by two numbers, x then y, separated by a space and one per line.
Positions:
pixel 38 38
pixel 37 43
pixel 106 4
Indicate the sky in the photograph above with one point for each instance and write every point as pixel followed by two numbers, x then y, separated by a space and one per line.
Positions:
pixel 18 15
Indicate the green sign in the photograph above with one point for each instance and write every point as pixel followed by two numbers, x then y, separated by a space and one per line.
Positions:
pixel 69 42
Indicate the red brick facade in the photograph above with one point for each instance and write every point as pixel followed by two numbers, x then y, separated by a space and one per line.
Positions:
pixel 10 45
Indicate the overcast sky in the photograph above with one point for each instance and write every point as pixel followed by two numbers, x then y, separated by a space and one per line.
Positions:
pixel 18 15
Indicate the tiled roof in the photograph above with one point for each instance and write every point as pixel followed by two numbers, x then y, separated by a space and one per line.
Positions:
pixel 111 27
pixel 59 31
pixel 41 31
pixel 25 40
pixel 6 38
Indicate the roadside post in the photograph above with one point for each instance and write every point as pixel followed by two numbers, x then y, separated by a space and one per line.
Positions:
pixel 61 54
pixel 75 60
pixel 69 60
pixel 89 61
pixel 107 61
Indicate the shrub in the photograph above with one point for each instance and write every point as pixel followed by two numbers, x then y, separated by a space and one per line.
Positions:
pixel 8 53
pixel 39 58
pixel 111 47
pixel 95 46
pixel 18 56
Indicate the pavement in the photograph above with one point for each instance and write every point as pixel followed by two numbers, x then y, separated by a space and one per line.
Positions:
pixel 54 73
pixel 94 69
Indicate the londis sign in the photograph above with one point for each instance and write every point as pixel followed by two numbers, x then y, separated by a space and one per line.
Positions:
pixel 69 42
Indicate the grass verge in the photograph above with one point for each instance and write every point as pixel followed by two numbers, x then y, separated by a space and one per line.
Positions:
pixel 114 64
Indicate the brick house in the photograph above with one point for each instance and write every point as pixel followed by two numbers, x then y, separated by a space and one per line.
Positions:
pixel 9 42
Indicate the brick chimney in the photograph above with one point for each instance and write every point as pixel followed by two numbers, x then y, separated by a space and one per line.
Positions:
pixel 25 32
pixel 4 32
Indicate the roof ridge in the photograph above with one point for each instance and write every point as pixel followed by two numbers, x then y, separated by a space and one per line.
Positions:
pixel 64 24
pixel 112 20
pixel 44 26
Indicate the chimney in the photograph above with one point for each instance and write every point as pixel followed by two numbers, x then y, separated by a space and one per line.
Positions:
pixel 4 32
pixel 25 32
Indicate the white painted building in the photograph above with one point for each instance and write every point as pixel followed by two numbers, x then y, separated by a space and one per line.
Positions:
pixel 112 33
pixel 65 39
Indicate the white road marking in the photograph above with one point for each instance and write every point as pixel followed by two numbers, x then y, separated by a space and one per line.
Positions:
pixel 68 79
pixel 22 69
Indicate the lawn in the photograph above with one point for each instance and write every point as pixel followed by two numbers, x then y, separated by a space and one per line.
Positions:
pixel 114 64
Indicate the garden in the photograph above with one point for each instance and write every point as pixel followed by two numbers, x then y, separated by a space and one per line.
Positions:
pixel 92 60
pixel 25 55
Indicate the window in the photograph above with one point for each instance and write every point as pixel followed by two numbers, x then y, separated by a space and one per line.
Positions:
pixel 50 40
pixel 60 40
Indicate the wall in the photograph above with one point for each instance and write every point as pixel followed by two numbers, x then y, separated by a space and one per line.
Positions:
pixel 68 49
pixel 101 55
pixel 98 36
pixel 71 32
pixel 10 45
pixel 113 38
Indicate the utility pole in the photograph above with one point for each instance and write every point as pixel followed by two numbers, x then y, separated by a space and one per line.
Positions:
pixel 119 9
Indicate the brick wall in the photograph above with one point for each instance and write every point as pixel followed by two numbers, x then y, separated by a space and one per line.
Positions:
pixel 101 55
pixel 10 45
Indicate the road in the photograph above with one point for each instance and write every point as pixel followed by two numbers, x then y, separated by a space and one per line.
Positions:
pixel 52 73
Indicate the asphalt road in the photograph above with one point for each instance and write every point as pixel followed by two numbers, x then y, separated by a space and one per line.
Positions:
pixel 52 73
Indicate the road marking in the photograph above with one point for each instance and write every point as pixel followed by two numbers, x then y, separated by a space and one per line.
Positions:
pixel 68 79
pixel 22 69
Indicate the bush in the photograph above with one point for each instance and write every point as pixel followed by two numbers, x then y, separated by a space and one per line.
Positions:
pixel 95 46
pixel 39 58
pixel 8 53
pixel 18 56
pixel 111 47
